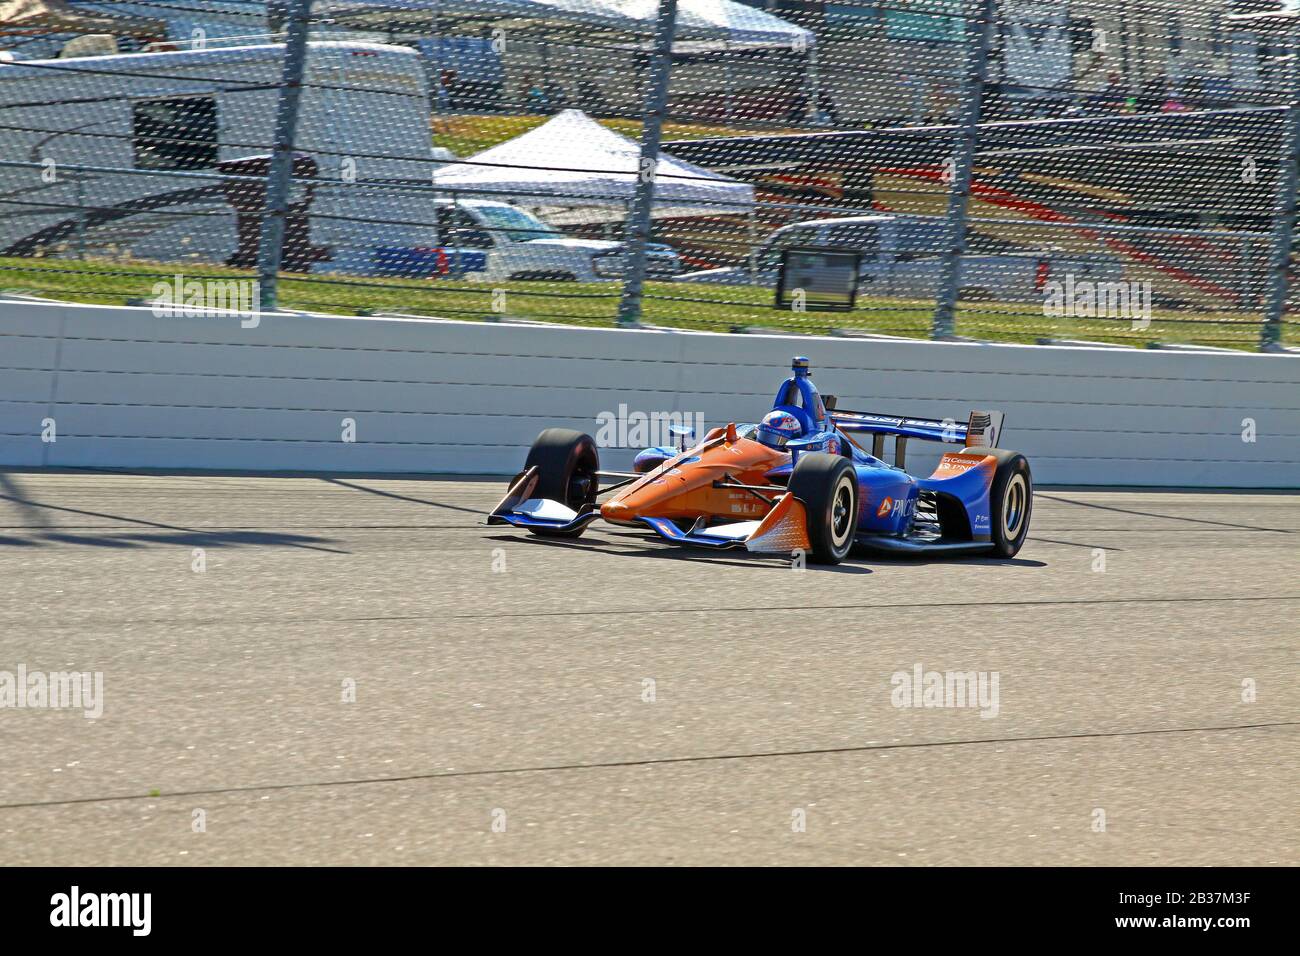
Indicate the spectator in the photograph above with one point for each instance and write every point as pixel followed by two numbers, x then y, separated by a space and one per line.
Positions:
pixel 447 88
pixel 826 113
pixel 535 96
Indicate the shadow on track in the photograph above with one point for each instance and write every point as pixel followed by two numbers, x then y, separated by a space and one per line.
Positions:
pixel 47 533
pixel 676 553
pixel 982 560
pixel 1155 514
pixel 391 494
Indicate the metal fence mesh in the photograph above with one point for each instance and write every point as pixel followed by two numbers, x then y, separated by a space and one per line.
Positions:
pixel 1010 170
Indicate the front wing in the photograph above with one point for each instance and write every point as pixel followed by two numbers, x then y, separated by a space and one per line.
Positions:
pixel 784 529
pixel 521 509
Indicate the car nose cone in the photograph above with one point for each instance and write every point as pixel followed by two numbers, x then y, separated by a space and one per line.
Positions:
pixel 616 511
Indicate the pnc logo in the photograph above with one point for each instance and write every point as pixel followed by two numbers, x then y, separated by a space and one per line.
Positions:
pixel 901 508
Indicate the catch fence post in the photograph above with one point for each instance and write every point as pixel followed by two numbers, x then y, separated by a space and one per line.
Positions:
pixel 637 233
pixel 1284 219
pixel 280 170
pixel 978 37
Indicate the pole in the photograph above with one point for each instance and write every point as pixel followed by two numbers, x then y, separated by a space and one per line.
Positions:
pixel 458 267
pixel 978 32
pixel 81 216
pixel 638 226
pixel 435 61
pixel 751 234
pixel 813 69
pixel 280 171
pixel 1284 223
pixel 728 81
pixel 436 109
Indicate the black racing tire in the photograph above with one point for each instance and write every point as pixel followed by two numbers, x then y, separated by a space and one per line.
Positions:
pixel 828 487
pixel 1011 500
pixel 566 472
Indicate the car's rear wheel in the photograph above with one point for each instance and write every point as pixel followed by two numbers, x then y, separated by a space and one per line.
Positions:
pixel 828 487
pixel 566 463
pixel 1011 500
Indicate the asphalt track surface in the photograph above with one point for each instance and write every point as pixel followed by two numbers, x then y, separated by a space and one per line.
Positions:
pixel 501 678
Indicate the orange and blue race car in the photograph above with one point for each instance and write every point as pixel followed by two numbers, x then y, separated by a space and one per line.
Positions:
pixel 797 481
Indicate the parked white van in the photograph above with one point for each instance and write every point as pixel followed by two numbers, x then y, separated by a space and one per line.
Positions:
pixel 903 256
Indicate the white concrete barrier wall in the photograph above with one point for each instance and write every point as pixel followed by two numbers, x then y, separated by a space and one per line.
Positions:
pixel 127 389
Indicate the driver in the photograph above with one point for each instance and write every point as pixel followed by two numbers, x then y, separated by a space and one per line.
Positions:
pixel 777 428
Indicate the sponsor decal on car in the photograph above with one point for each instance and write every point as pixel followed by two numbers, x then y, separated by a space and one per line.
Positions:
pixel 956 463
pixel 896 507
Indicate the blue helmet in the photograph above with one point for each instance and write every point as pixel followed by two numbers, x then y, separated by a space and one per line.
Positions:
pixel 777 428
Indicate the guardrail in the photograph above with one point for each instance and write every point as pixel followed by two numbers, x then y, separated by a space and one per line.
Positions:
pixel 121 387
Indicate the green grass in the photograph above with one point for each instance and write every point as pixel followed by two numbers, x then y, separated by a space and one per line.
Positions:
pixel 689 306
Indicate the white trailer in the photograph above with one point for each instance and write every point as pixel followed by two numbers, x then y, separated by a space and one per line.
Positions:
pixel 130 156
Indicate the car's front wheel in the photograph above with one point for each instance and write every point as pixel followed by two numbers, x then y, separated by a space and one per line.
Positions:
pixel 828 487
pixel 566 463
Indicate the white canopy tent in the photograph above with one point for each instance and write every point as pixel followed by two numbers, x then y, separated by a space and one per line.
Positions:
pixel 723 21
pixel 572 170
pixel 726 21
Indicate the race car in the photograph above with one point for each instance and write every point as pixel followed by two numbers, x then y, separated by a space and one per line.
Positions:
pixel 798 481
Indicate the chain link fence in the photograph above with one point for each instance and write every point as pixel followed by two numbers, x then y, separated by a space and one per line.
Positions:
pixel 1007 170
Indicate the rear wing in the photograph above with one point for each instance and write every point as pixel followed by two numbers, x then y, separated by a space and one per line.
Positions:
pixel 982 428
